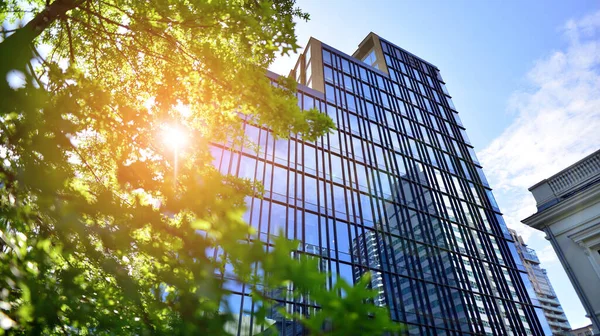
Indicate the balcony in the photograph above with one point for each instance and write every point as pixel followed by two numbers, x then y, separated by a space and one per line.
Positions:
pixel 557 324
pixel 553 189
pixel 561 318
pixel 548 301
pixel 556 310
pixel 530 255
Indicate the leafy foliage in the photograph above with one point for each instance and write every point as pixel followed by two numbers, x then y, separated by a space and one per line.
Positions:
pixel 101 230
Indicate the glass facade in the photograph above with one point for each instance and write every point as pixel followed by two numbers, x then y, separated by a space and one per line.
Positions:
pixel 395 191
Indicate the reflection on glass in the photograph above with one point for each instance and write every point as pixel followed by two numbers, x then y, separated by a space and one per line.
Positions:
pixel 391 193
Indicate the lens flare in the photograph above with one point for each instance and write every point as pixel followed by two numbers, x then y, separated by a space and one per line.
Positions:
pixel 174 137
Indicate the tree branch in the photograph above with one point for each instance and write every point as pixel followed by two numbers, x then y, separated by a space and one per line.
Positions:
pixel 71 53
pixel 93 13
pixel 38 81
pixel 4 31
pixel 185 23
pixel 15 51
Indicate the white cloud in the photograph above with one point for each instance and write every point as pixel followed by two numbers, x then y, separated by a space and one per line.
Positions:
pixel 547 256
pixel 557 122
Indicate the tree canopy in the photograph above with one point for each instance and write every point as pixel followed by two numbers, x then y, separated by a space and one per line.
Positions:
pixel 102 230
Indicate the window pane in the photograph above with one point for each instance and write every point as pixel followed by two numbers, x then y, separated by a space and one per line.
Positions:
pixel 312 229
pixel 277 218
pixel 280 180
pixel 326 57
pixel 328 72
pixel 339 199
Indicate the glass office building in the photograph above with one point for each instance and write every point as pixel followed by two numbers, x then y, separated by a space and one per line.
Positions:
pixel 395 191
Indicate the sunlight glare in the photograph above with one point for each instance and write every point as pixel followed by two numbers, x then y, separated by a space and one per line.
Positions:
pixel 174 137
pixel 183 109
pixel 149 103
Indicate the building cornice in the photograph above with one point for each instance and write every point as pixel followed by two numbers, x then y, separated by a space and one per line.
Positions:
pixel 565 183
pixel 590 236
pixel 563 209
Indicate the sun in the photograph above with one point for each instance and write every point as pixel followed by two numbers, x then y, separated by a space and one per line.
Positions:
pixel 174 137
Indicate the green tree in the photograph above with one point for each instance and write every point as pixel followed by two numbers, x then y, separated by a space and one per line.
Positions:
pixel 103 228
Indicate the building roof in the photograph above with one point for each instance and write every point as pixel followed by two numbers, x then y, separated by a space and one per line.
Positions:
pixel 570 181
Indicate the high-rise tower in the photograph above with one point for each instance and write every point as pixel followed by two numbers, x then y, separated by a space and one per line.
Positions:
pixel 395 191
pixel 555 315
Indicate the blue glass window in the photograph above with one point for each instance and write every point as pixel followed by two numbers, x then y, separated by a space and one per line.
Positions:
pixel 330 93
pixel 280 180
pixel 312 229
pixel 339 199
pixel 278 219
pixel 326 57
pixel 367 213
pixel 482 176
pixel 351 102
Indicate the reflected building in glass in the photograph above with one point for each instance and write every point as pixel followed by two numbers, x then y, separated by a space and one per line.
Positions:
pixel 395 191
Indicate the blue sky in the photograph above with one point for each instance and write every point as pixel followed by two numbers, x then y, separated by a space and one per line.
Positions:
pixel 525 77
